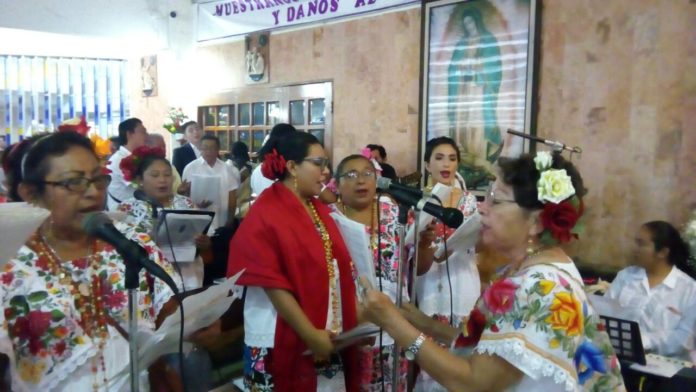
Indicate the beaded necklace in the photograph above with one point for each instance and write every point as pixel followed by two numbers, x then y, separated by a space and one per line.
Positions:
pixel 87 299
pixel 328 251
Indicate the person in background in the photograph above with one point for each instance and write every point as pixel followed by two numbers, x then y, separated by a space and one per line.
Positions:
pixel 11 164
pixel 380 155
pixel 659 290
pixel 182 156
pixel 113 144
pixel 298 275
pixel 210 165
pixel 239 157
pixel 131 135
pixel 533 329
pixel 357 184
pixel 156 140
pixel 258 181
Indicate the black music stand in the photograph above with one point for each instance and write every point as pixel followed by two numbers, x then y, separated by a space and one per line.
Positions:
pixel 625 338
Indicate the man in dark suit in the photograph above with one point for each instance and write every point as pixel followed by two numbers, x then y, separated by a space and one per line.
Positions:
pixel 190 151
pixel 380 155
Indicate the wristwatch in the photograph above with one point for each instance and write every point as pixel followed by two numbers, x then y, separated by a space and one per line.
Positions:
pixel 413 349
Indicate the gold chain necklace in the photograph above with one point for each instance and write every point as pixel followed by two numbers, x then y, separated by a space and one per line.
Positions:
pixel 328 252
pixel 374 224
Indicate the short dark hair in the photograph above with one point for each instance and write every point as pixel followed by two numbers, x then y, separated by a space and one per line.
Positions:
pixel 146 162
pixel 522 175
pixel 341 166
pixel 12 164
pixel 126 127
pixel 382 151
pixel 239 151
pixel 293 147
pixel 213 138
pixel 279 131
pixel 114 139
pixel 186 125
pixel 666 236
pixel 439 141
pixel 35 164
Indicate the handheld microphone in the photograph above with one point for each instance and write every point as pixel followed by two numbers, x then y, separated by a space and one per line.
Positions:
pixel 387 185
pixel 556 145
pixel 99 225
pixel 451 217
pixel 140 195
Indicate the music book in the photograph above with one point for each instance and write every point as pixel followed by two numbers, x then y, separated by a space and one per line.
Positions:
pixel 464 237
pixel 358 243
pixel 176 231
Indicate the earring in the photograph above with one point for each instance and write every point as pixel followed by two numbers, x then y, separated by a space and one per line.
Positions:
pixel 530 247
pixel 294 182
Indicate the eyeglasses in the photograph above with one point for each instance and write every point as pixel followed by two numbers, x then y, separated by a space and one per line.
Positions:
pixel 353 175
pixel 322 162
pixel 81 184
pixel 491 200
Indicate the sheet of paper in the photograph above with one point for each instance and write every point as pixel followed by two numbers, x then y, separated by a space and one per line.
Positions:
pixel 17 222
pixel 177 236
pixel 358 243
pixel 443 193
pixel 200 310
pixel 465 237
pixel 205 188
pixel 659 365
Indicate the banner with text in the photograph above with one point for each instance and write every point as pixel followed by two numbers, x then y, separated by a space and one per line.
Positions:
pixel 220 19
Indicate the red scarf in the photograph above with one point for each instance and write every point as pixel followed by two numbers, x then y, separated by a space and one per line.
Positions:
pixel 280 248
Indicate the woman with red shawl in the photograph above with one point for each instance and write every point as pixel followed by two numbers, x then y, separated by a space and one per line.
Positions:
pixel 299 279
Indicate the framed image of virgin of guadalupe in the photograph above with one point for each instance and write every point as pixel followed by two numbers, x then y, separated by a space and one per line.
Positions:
pixel 478 79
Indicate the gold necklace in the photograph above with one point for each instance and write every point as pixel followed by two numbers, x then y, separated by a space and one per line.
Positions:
pixel 328 252
pixel 374 224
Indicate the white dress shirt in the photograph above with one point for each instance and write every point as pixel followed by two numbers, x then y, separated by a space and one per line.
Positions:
pixel 195 150
pixel 229 181
pixel 119 189
pixel 666 313
pixel 258 181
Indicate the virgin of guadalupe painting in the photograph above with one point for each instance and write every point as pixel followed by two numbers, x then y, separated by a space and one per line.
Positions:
pixel 478 79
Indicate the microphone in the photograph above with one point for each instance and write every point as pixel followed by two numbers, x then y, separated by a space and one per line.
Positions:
pixel 557 146
pixel 99 225
pixel 140 195
pixel 451 217
pixel 386 184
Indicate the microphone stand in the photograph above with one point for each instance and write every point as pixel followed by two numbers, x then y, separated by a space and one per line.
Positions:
pixel 132 283
pixel 401 233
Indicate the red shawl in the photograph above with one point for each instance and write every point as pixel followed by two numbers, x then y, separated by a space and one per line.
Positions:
pixel 280 247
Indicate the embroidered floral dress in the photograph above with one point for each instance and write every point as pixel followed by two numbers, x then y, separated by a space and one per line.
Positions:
pixel 541 322
pixel 387 272
pixel 41 325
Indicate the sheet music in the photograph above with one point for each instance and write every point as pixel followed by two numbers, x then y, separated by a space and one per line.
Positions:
pixel 17 222
pixel 358 243
pixel 200 311
pixel 660 365
pixel 183 229
pixel 205 188
pixel 442 192
pixel 465 237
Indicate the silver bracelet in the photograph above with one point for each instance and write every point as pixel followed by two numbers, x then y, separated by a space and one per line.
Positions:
pixel 415 347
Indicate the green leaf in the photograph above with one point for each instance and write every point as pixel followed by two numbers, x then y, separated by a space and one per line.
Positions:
pixel 38 296
pixel 20 302
pixel 57 315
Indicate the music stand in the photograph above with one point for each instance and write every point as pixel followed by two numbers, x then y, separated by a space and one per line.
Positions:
pixel 625 338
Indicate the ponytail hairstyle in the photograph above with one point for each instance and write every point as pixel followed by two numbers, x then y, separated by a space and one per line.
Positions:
pixel 292 147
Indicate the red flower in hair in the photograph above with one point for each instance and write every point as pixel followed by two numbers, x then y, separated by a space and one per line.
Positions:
pixel 560 219
pixel 129 165
pixel 80 127
pixel 273 166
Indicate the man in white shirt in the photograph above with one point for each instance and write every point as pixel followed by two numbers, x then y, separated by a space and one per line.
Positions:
pixel 220 194
pixel 657 293
pixel 131 134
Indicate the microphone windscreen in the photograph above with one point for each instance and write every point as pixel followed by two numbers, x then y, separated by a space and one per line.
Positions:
pixel 383 183
pixel 93 221
pixel 140 195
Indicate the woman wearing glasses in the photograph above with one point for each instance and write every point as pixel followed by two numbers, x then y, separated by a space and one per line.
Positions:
pixel 356 178
pixel 533 329
pixel 63 295
pixel 298 277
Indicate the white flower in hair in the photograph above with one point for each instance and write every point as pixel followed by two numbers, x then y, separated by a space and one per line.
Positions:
pixel 554 186
pixel 543 160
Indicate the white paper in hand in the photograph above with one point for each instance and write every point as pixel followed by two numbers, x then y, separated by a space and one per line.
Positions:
pixel 205 188
pixel 17 222
pixel 177 236
pixel 443 193
pixel 465 237
pixel 358 243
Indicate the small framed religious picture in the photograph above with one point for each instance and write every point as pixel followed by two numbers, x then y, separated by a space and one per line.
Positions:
pixel 256 58
pixel 479 80
pixel 148 76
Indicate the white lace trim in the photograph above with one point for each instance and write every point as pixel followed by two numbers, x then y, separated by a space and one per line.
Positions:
pixel 61 372
pixel 532 364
